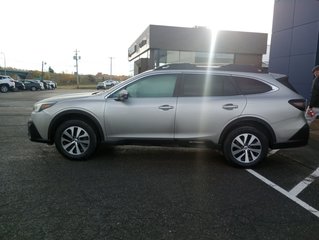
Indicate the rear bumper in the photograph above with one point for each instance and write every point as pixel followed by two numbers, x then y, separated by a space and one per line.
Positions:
pixel 298 140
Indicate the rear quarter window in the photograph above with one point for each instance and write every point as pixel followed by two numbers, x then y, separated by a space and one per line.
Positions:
pixel 285 81
pixel 251 86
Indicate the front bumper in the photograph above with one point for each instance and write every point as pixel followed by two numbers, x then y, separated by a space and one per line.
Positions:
pixel 34 134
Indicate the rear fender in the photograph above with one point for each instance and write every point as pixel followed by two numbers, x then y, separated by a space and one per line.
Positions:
pixel 252 122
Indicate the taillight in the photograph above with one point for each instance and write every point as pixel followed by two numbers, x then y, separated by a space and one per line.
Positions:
pixel 298 103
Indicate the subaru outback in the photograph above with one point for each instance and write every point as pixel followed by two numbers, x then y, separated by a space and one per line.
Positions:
pixel 243 113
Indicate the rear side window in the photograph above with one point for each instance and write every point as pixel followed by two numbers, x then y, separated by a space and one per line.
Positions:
pixel 251 86
pixel 197 85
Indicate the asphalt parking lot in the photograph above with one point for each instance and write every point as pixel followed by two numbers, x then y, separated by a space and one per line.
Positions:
pixel 131 192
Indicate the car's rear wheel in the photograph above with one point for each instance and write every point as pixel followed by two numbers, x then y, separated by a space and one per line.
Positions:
pixel 245 146
pixel 76 140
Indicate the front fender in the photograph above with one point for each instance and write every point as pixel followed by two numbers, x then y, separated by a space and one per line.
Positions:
pixel 79 115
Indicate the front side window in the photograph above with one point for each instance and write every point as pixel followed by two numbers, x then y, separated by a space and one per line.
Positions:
pixel 197 85
pixel 153 87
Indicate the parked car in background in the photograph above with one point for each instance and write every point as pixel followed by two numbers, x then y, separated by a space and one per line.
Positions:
pixel 32 85
pixel 106 84
pixel 110 83
pixel 245 113
pixel 100 85
pixel 45 86
pixel 41 84
pixel 6 83
pixel 19 85
pixel 48 84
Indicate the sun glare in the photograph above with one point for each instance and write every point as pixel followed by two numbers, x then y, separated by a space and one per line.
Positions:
pixel 214 33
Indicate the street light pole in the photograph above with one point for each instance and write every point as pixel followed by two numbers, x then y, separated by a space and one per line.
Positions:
pixel 43 63
pixel 110 67
pixel 76 58
pixel 5 64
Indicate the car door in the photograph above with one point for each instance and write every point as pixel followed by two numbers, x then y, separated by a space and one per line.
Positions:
pixel 148 112
pixel 206 103
pixel 27 84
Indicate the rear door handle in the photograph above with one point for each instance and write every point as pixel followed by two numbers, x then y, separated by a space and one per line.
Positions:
pixel 165 107
pixel 230 106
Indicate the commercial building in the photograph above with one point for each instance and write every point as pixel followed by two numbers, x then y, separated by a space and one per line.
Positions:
pixel 295 41
pixel 160 45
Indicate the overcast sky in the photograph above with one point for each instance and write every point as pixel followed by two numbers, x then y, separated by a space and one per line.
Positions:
pixel 33 31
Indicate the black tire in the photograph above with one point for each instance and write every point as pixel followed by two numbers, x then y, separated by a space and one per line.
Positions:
pixel 76 140
pixel 245 146
pixel 4 88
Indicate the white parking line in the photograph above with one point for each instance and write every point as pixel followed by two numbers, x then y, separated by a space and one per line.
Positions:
pixel 284 192
pixel 305 183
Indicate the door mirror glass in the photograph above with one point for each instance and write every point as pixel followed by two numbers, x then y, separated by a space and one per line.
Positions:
pixel 122 95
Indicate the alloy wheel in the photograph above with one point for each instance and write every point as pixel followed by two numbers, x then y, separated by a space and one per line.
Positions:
pixel 246 148
pixel 75 140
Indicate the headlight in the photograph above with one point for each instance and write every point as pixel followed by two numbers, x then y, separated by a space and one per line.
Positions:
pixel 38 107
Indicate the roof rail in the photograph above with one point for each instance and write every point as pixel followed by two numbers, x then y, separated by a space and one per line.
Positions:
pixel 229 67
pixel 177 66
pixel 242 68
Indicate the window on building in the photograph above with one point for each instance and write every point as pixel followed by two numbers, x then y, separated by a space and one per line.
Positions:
pixel 187 57
pixel 172 57
pixel 223 58
pixel 163 57
pixel 201 57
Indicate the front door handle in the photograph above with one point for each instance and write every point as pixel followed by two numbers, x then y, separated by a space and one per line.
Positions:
pixel 230 106
pixel 165 107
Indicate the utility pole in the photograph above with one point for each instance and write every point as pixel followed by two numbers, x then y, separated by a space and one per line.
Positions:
pixel 76 58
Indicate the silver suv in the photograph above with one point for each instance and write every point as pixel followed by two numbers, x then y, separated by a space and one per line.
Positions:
pixel 245 114
pixel 6 83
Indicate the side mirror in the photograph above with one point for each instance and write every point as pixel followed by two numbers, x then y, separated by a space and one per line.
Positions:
pixel 123 95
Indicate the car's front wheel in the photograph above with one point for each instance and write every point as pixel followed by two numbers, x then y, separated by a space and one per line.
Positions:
pixel 76 140
pixel 245 146
pixel 4 88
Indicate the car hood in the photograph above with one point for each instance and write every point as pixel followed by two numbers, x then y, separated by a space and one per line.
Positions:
pixel 71 96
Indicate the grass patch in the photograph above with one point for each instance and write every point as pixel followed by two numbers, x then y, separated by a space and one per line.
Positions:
pixel 81 86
